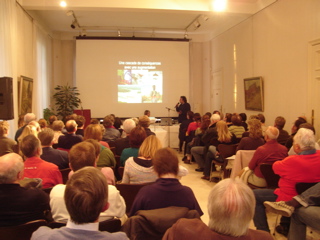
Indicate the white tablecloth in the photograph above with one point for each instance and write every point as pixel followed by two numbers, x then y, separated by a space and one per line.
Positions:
pixel 162 133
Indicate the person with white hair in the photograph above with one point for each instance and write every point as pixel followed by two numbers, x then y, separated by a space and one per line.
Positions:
pixel 270 152
pixel 122 143
pixel 27 119
pixel 230 208
pixel 303 167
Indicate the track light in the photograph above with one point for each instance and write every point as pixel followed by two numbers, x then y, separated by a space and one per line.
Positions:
pixel 119 33
pixel 185 35
pixel 74 24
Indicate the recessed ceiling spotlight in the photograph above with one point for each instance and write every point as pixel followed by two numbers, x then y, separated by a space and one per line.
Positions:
pixel 219 5
pixel 63 4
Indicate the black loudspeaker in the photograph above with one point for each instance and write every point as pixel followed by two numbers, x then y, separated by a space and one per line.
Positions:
pixel 6 98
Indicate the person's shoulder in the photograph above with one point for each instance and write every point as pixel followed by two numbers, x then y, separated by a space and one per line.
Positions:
pixel 114 236
pixel 43 233
pixel 259 234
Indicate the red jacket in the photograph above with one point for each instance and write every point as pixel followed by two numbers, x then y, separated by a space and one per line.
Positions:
pixel 50 174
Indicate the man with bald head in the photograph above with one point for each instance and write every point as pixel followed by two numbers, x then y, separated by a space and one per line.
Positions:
pixel 18 205
pixel 70 139
pixel 270 152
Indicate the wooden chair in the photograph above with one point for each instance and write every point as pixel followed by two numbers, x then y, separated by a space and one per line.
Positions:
pixel 129 192
pixel 271 178
pixel 65 174
pixel 225 151
pixel 111 225
pixel 21 232
pixel 120 172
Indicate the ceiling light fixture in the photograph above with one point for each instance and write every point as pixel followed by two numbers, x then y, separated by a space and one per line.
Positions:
pixel 63 4
pixel 185 35
pixel 219 5
pixel 119 33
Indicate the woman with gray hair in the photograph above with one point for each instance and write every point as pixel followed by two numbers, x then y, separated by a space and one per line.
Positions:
pixel 231 208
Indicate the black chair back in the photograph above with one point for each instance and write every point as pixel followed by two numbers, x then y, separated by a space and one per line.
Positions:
pixel 271 178
pixel 65 174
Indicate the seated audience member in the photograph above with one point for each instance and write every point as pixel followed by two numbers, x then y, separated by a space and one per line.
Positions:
pixel 36 125
pixel 147 113
pixel 231 208
pixel 94 121
pixel 80 120
pixel 27 118
pixel 122 143
pixel 183 129
pixel 18 205
pixel 49 154
pixel 136 138
pixel 262 120
pixel 117 124
pixel 304 209
pixel 253 138
pixel 110 133
pixel 294 130
pixel 105 157
pixel 279 123
pixel 195 124
pixel 270 152
pixel 94 131
pixel 82 155
pixel 199 152
pixel 167 190
pixel 7 145
pixel 21 120
pixel 57 127
pixel 86 195
pixel 52 118
pixel 304 167
pixel 70 139
pixel 144 122
pixel 227 119
pixel 35 167
pixel 243 121
pixel 140 169
pixel 29 129
pixel 222 136
pixel 43 123
pixel 236 128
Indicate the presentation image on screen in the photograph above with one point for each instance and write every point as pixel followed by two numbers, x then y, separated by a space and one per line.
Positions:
pixel 139 86
pixel 126 77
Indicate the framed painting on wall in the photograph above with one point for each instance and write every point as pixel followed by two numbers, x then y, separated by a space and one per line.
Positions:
pixel 253 93
pixel 25 95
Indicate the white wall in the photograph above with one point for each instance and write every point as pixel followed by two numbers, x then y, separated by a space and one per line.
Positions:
pixel 272 44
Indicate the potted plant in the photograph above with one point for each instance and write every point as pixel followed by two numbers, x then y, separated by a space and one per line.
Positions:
pixel 66 99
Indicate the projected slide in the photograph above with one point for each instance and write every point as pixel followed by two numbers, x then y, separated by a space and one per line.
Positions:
pixel 139 82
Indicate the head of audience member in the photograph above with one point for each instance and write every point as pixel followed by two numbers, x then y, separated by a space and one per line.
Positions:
pixel 30 146
pixel 71 126
pixel 128 125
pixel 296 124
pixel 117 123
pixel 43 123
pixel 303 140
pixel 183 99
pixel 190 115
pixel 254 128
pixel 136 120
pixel 243 117
pixel 271 133
pixel 262 118
pixel 208 114
pixel 144 121
pixel 197 117
pixel 308 126
pixel 215 118
pixel 52 118
pixel 86 195
pixel 149 147
pixel 236 120
pixel 231 205
pixel 147 112
pixel 21 122
pixel 11 168
pixel 4 128
pixel 205 123
pixel 224 134
pixel 108 121
pixel 166 163
pixel 36 125
pixel 71 117
pixel 80 120
pixel 81 155
pixel 137 136
pixel 94 121
pixel 29 129
pixel 254 117
pixel 93 131
pixel 58 126
pixel 216 112
pixel 279 122
pixel 228 117
pixel 29 117
pixel 46 137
